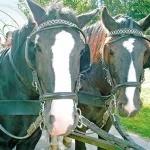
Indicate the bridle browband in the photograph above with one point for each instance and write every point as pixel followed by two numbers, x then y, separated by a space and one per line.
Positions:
pixel 122 33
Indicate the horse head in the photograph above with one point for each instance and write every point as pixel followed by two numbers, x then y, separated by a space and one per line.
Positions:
pixel 56 44
pixel 125 51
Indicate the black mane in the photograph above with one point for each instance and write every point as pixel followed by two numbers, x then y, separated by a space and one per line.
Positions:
pixel 57 10
pixel 19 36
pixel 125 21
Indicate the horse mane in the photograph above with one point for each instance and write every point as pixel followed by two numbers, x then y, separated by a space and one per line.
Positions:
pixel 19 36
pixel 57 10
pixel 124 21
pixel 96 36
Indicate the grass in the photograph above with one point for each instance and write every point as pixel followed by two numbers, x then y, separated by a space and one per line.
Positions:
pixel 141 123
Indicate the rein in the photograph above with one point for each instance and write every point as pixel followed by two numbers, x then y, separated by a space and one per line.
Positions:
pixel 23 80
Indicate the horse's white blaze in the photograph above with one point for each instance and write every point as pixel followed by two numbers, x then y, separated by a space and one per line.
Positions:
pixel 130 107
pixel 62 109
pixel 120 20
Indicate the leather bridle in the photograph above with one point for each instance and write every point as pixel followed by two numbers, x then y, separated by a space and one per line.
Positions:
pixel 48 25
pixel 122 33
pixel 40 121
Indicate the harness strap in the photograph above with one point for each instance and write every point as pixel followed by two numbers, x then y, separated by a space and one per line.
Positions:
pixel 25 82
pixel 92 99
pixel 30 131
pixel 93 85
pixel 3 53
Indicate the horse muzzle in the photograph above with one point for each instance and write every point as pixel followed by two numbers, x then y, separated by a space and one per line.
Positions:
pixel 60 114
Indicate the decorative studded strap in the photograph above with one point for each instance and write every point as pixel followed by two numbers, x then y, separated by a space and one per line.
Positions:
pixel 56 22
pixel 126 31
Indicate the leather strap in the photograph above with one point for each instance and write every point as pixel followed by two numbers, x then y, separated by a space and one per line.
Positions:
pixel 20 77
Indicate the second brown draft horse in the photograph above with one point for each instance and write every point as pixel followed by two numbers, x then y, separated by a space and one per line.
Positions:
pixel 119 50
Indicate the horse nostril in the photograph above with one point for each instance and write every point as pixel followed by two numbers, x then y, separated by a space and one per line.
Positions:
pixel 133 113
pixel 141 103
pixel 121 105
pixel 52 119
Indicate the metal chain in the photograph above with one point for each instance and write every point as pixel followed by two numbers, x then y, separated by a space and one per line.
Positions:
pixel 80 122
pixel 109 111
pixel 142 76
pixel 79 85
pixel 34 82
pixel 42 125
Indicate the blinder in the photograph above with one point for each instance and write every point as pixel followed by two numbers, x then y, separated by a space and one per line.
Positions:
pixel 103 57
pixel 85 59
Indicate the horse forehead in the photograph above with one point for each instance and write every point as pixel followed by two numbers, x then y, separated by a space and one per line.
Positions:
pixel 59 35
pixel 119 20
pixel 129 44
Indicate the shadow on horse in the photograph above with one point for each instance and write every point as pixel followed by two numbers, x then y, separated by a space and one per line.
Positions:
pixel 43 66
pixel 119 52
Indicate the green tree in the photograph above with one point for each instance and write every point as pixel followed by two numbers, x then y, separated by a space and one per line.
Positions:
pixel 80 6
pixel 136 9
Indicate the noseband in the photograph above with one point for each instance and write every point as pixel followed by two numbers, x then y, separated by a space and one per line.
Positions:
pixel 125 32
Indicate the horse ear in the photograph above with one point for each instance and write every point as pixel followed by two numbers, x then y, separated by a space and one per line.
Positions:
pixel 37 11
pixel 145 23
pixel 107 20
pixel 83 19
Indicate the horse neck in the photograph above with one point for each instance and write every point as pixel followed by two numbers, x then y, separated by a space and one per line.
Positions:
pixel 96 38
pixel 18 57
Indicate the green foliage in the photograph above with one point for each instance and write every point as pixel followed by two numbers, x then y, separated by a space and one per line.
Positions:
pixel 23 7
pixel 79 6
pixel 136 9
pixel 140 124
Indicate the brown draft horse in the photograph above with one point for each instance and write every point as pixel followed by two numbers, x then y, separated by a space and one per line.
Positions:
pixel 48 60
pixel 119 51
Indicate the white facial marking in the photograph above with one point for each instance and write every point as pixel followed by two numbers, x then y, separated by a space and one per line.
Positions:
pixel 62 109
pixel 64 43
pixel 130 107
pixel 120 20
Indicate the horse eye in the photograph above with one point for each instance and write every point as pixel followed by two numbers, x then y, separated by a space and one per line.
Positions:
pixel 111 53
pixel 146 52
pixel 37 47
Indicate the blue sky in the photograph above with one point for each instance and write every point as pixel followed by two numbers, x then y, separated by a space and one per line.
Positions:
pixel 10 7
